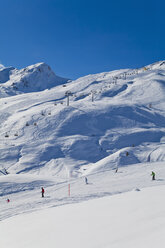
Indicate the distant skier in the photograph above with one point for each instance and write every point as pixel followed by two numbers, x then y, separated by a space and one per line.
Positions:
pixel 42 191
pixel 86 180
pixel 153 175
pixel 116 170
pixel 8 200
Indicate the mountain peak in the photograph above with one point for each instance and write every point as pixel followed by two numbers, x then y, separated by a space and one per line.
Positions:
pixel 32 78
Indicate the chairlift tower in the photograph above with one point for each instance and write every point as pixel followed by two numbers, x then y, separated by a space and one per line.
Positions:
pixel 93 92
pixel 68 94
pixel 115 80
pixel 125 75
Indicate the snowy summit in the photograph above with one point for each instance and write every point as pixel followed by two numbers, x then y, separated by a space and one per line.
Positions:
pixel 32 78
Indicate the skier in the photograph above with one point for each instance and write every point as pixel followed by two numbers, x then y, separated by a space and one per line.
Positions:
pixel 8 200
pixel 86 180
pixel 153 175
pixel 42 191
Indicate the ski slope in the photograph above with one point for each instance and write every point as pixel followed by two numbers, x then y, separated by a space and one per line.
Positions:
pixel 24 191
pixel 115 120
pixel 133 219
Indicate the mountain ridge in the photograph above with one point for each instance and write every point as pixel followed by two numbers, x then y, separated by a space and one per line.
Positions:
pixel 33 78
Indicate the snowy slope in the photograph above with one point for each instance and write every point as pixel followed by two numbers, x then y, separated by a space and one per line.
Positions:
pixel 23 190
pixel 40 134
pixel 114 120
pixel 102 223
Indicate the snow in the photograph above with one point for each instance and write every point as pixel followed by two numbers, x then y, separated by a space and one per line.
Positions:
pixel 133 219
pixel 115 120
pixel 5 73
pixel 38 131
pixel 121 116
pixel 33 78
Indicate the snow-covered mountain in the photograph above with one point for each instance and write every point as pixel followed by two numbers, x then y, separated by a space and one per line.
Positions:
pixel 114 118
pixel 55 131
pixel 30 79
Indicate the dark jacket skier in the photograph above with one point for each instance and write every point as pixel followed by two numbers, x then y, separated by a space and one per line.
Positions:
pixel 153 175
pixel 42 191
pixel 86 180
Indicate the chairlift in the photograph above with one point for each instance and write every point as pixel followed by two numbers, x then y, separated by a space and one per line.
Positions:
pixel 6 135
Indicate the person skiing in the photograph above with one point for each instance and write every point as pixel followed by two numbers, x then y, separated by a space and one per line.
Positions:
pixel 153 175
pixel 42 191
pixel 86 180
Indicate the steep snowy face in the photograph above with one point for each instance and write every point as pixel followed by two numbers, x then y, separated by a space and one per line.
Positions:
pixel 5 74
pixel 30 79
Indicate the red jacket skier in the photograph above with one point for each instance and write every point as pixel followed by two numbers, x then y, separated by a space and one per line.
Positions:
pixel 42 191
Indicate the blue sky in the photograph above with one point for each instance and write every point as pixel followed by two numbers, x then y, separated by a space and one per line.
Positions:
pixel 80 37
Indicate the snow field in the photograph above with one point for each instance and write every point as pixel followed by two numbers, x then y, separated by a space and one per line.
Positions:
pixel 24 191
pixel 133 219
